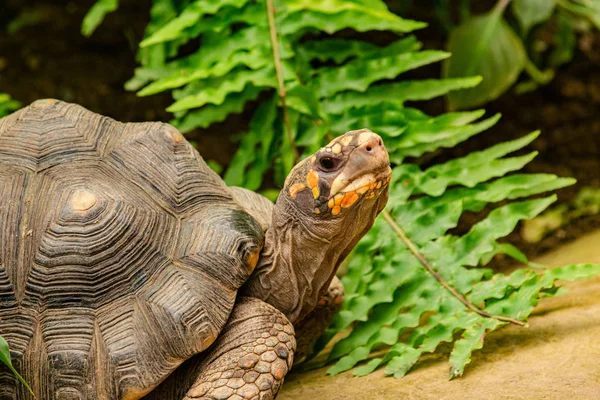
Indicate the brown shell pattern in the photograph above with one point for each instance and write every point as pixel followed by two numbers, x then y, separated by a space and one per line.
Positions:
pixel 120 252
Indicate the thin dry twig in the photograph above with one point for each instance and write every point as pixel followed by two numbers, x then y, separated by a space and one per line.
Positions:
pixel 413 249
pixel 279 72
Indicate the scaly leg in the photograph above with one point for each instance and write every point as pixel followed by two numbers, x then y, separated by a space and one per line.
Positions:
pixel 314 324
pixel 249 360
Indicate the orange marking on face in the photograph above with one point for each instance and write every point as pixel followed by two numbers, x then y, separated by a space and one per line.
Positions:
pixel 338 199
pixel 252 259
pixel 362 190
pixel 295 189
pixel 378 185
pixel 317 211
pixel 370 195
pixel 349 199
pixel 331 203
pixel 336 210
pixel 312 179
pixel 315 192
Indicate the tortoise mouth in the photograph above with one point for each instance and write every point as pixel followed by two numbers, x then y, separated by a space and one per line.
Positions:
pixel 368 186
pixel 366 180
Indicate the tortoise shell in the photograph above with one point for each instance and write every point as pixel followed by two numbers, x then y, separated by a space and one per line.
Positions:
pixel 121 252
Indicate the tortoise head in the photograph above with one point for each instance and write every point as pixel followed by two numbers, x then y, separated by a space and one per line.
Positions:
pixel 329 202
pixel 348 177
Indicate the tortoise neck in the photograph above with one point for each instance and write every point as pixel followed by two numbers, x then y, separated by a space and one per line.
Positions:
pixel 296 264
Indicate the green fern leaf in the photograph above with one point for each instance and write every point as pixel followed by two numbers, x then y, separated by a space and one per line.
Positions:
pixel 96 14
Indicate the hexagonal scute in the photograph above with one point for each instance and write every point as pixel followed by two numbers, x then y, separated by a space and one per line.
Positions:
pixel 92 239
pixel 156 157
pixel 50 132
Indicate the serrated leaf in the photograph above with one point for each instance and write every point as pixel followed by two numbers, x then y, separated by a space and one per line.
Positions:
pixel 471 340
pixel 235 83
pixel 253 154
pixel 359 75
pixel 96 14
pixel 485 46
pixel 334 15
pixel 190 16
pixel 217 58
pixel 234 103
pixel 398 93
pixel 5 359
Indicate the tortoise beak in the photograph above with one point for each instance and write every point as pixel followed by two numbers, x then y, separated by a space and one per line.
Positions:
pixel 369 158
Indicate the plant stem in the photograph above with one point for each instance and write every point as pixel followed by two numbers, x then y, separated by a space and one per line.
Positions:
pixel 413 249
pixel 279 72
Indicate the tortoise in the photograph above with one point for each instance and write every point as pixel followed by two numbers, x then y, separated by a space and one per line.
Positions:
pixel 129 269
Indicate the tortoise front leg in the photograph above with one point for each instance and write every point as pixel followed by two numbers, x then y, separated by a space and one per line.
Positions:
pixel 314 324
pixel 250 358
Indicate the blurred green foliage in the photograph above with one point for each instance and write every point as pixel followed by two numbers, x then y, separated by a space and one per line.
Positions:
pixel 503 43
pixel 7 105
pixel 338 82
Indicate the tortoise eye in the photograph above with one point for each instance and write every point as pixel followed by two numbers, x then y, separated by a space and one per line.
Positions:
pixel 329 163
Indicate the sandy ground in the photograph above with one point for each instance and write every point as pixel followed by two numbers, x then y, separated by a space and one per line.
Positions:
pixel 557 357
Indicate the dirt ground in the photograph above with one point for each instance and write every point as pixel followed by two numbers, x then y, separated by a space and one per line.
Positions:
pixel 50 58
pixel 555 358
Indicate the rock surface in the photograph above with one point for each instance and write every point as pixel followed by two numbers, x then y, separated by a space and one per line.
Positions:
pixel 556 358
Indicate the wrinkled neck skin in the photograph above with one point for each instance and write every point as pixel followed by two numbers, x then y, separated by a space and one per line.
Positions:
pixel 302 254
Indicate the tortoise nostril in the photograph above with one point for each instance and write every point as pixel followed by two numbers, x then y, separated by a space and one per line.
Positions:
pixel 380 142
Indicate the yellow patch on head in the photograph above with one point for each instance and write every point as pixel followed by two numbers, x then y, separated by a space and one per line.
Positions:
pixel 312 179
pixel 345 141
pixel 252 259
pixel 363 137
pixel 349 199
pixel 315 192
pixel 295 189
pixel 328 149
pixel 370 195
pixel 317 211
pixel 331 203
pixel 336 210
pixel 337 148
pixel 378 185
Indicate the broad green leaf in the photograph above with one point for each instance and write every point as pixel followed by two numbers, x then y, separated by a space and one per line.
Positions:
pixel 532 12
pixel 5 359
pixel 96 14
pixel 488 47
pixel 585 8
pixel 565 39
